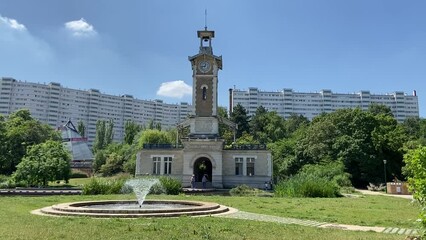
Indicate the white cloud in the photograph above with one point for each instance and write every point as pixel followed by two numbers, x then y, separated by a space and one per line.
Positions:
pixel 12 23
pixel 174 89
pixel 20 50
pixel 80 28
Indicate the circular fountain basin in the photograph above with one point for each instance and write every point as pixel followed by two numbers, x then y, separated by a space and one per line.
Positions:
pixel 131 209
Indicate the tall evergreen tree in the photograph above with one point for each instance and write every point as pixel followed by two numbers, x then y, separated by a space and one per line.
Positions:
pixel 240 117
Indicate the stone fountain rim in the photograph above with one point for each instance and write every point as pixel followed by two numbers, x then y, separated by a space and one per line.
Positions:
pixel 199 209
pixel 79 206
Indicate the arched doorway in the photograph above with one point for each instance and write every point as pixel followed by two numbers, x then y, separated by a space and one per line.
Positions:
pixel 203 166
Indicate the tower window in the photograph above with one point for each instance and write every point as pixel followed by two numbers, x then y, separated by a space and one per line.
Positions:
pixel 204 93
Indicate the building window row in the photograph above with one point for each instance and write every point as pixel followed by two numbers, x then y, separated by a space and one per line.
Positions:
pixel 162 165
pixel 244 165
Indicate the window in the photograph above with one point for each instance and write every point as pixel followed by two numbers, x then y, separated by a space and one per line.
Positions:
pixel 238 166
pixel 204 93
pixel 162 164
pixel 156 166
pixel 250 166
pixel 244 165
pixel 167 165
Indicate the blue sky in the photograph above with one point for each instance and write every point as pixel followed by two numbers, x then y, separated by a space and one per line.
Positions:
pixel 141 47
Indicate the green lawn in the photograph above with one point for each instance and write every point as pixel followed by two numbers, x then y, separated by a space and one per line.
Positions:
pixel 17 222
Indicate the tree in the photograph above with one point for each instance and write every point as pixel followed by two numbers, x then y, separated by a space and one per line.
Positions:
pixel 81 129
pixel 274 127
pixel 131 129
pixel 258 124
pixel 109 132
pixel 154 125
pixel 44 162
pixel 3 149
pixel 113 164
pixel 239 117
pixel 294 122
pixel 104 134
pixel 23 131
pixel 246 138
pixel 153 136
pixel 361 140
pixel 225 131
pixel 99 142
pixel 377 109
pixel 415 169
pixel 99 160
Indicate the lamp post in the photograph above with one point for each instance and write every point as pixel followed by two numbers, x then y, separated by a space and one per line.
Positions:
pixel 384 167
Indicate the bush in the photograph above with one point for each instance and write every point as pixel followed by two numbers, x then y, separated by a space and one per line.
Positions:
pixel 171 186
pixel 103 186
pixel 332 171
pixel 9 182
pixel 244 190
pixel 305 185
pixel 4 178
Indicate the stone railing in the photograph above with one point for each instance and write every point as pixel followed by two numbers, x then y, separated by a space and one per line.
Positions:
pixel 245 147
pixel 161 146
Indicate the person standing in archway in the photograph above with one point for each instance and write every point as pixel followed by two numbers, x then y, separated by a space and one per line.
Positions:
pixel 204 181
pixel 193 181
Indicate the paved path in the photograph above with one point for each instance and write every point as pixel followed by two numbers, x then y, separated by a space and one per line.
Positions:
pixel 368 192
pixel 311 223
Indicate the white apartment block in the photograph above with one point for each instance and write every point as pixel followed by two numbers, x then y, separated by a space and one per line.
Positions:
pixel 310 105
pixel 55 105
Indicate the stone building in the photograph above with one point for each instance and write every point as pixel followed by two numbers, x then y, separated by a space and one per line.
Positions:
pixel 202 151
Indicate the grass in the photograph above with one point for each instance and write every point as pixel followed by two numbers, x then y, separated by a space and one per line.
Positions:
pixel 18 223
pixel 366 211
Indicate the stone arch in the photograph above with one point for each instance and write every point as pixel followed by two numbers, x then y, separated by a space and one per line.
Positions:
pixel 203 164
pixel 191 164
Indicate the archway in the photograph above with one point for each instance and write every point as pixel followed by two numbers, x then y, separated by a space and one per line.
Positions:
pixel 202 166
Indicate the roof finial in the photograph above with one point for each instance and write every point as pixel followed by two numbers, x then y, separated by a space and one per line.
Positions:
pixel 205 19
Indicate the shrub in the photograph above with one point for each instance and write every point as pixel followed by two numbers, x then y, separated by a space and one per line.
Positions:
pixel 332 171
pixel 117 185
pixel 9 182
pixel 305 185
pixel 171 186
pixel 3 178
pixel 103 186
pixel 245 190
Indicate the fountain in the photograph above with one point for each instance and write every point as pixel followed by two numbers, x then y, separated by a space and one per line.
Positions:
pixel 141 187
pixel 136 209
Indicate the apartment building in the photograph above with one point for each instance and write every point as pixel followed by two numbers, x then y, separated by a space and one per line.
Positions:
pixel 310 105
pixel 55 105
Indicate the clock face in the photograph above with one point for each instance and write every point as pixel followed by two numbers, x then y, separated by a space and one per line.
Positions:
pixel 204 66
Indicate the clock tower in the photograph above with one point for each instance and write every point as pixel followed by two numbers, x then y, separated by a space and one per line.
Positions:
pixel 203 154
pixel 205 67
